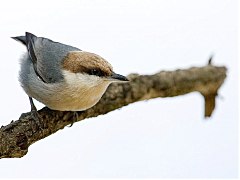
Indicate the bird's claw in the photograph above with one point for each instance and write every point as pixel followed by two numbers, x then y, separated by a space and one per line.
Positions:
pixel 38 120
pixel 74 118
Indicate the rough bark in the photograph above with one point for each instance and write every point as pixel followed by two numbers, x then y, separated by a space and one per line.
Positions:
pixel 16 137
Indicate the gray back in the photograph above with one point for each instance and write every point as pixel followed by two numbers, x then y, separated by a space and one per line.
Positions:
pixel 49 56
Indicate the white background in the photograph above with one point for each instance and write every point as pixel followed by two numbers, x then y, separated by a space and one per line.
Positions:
pixel 165 137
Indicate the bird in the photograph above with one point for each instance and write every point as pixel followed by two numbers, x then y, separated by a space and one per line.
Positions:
pixel 63 77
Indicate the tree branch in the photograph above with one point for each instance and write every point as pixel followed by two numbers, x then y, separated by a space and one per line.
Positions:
pixel 16 137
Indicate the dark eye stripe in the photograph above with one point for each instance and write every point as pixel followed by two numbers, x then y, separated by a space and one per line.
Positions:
pixel 96 72
pixel 92 71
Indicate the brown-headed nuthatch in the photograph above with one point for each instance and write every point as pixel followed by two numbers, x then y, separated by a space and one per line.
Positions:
pixel 63 77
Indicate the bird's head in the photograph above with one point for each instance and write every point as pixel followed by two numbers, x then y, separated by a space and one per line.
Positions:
pixel 89 70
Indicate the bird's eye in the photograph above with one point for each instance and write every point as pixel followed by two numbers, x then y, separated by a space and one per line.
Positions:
pixel 96 72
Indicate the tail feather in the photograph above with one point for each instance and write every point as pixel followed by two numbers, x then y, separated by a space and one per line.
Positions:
pixel 21 39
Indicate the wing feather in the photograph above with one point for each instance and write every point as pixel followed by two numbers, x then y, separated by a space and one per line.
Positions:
pixel 46 56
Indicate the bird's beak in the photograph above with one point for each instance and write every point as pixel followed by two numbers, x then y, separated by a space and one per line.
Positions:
pixel 118 77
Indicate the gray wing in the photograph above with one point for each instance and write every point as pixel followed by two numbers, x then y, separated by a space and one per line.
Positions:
pixel 46 56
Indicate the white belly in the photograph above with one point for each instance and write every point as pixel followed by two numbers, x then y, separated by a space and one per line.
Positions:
pixel 64 98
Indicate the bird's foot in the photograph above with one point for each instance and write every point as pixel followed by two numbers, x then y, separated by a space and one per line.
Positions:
pixel 74 118
pixel 34 113
pixel 38 119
